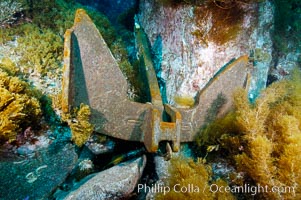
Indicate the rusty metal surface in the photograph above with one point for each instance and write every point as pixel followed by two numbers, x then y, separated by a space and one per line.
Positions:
pixel 144 53
pixel 92 76
pixel 227 80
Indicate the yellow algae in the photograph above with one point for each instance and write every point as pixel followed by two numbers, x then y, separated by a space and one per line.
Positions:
pixel 184 101
pixel 18 108
pixel 79 123
pixel 192 177
pixel 263 139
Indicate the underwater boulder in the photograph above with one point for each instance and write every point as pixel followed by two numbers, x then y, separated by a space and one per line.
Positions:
pixel 114 183
pixel 36 177
pixel 196 40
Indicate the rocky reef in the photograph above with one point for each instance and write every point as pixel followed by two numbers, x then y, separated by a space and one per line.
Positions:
pixel 150 99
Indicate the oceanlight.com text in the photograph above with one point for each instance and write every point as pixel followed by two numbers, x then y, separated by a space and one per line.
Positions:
pixel 251 189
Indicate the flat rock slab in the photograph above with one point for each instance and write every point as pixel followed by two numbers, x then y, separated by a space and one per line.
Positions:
pixel 37 177
pixel 114 183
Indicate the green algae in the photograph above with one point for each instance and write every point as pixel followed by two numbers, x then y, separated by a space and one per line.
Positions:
pixel 40 42
pixel 287 26
pixel 39 50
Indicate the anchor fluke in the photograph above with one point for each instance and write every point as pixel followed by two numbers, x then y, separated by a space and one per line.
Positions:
pixel 92 76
